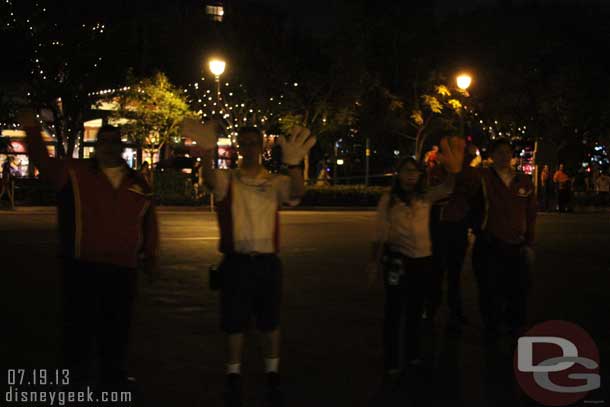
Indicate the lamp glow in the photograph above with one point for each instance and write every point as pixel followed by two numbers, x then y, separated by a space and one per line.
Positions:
pixel 217 66
pixel 464 81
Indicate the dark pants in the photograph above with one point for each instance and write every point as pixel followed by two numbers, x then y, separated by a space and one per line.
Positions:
pixel 449 244
pixel 97 308
pixel 406 299
pixel 502 272
pixel 563 199
pixel 545 193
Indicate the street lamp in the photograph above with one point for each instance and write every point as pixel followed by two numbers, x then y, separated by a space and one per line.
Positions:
pixel 463 81
pixel 217 67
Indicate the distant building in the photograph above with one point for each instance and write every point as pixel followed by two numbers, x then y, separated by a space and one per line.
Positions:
pixel 215 11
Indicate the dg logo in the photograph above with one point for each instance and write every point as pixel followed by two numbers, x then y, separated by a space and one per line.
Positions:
pixel 557 363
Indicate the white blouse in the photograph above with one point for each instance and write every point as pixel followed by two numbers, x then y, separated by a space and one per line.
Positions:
pixel 406 228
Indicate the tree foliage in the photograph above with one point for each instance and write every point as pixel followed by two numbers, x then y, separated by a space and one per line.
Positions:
pixel 151 110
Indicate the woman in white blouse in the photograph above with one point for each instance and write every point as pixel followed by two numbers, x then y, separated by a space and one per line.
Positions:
pixel 402 251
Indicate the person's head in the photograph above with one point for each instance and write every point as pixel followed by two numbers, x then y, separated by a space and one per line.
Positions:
pixel 145 165
pixel 250 142
pixel 408 181
pixel 546 167
pixel 501 153
pixel 561 167
pixel 109 147
pixel 408 174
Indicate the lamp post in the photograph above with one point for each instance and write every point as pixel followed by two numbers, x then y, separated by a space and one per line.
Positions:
pixel 463 82
pixel 217 67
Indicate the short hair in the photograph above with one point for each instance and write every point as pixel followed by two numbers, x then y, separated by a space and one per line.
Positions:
pixel 108 128
pixel 499 142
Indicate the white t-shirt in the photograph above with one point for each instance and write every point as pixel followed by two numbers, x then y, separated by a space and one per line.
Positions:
pixel 254 205
pixel 406 228
pixel 115 175
pixel 603 183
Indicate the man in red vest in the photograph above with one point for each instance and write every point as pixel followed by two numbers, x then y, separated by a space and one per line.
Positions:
pixel 108 229
pixel 503 250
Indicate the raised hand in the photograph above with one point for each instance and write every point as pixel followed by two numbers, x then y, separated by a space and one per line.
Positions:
pixel 451 153
pixel 298 144
pixel 205 135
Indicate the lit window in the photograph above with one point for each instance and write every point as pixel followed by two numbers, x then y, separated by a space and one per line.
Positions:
pixel 216 12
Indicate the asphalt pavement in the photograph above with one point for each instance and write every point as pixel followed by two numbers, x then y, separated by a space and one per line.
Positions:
pixel 331 321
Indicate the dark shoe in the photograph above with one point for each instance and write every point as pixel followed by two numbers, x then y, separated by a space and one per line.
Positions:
pixel 233 391
pixel 275 396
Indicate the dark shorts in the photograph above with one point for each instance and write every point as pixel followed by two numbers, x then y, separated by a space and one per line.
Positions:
pixel 251 286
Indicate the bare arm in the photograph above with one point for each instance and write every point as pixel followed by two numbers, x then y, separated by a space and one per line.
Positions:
pixel 438 192
pixel 207 177
pixel 297 183
pixel 52 170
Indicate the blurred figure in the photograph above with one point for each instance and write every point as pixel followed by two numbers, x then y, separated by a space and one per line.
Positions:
pixel 431 157
pixel 602 187
pixel 146 173
pixel 450 221
pixel 249 199
pixel 195 174
pixel 108 229
pixel 402 254
pixel 580 183
pixel 562 188
pixel 8 182
pixel 502 254
pixel 323 178
pixel 545 187
pixel 473 151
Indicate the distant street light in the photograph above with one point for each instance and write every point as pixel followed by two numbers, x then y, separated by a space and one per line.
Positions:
pixel 464 81
pixel 217 67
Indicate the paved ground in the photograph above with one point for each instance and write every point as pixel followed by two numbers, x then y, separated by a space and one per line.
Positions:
pixel 332 323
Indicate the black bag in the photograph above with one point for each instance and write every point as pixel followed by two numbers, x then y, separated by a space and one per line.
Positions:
pixel 214 277
pixel 393 266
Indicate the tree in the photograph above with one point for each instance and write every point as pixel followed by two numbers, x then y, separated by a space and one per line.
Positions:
pixel 64 52
pixel 539 76
pixel 438 108
pixel 151 110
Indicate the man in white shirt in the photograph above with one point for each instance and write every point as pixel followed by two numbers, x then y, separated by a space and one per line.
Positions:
pixel 602 185
pixel 249 199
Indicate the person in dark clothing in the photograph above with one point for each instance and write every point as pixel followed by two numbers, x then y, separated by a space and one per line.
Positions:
pixel 7 186
pixel 503 251
pixel 545 188
pixel 449 222
pixel 563 189
pixel 108 229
